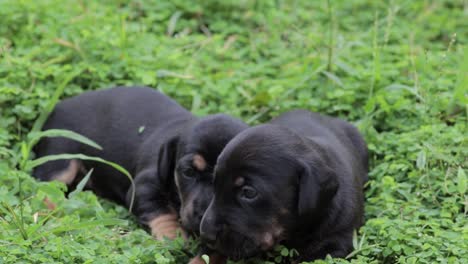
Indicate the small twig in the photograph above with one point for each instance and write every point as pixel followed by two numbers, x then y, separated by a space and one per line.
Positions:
pixel 230 40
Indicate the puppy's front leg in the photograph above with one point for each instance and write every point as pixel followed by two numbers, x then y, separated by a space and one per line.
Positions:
pixel 152 206
pixel 337 246
pixel 165 225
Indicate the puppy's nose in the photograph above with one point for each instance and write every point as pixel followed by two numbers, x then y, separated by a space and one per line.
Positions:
pixel 208 231
pixel 208 234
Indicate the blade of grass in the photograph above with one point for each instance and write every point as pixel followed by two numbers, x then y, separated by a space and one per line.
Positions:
pixel 33 228
pixel 21 204
pixel 375 56
pixel 38 124
pixel 36 136
pixel 81 225
pixel 50 106
pixel 18 222
pixel 459 93
pixel 34 163
pixel 330 36
pixel 355 252
pixel 81 184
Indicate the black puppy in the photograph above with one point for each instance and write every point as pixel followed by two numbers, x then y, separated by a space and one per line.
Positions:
pixel 170 153
pixel 298 180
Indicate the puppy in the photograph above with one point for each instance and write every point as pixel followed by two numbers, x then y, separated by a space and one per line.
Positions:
pixel 169 152
pixel 298 180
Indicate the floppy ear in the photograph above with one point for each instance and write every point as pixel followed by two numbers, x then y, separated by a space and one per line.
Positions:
pixel 167 161
pixel 153 182
pixel 318 184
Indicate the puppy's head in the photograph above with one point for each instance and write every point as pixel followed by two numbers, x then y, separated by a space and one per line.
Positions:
pixel 266 179
pixel 198 150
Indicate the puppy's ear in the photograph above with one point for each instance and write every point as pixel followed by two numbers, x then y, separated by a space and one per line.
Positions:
pixel 318 184
pixel 167 160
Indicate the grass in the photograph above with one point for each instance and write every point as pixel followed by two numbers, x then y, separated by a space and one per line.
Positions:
pixel 397 69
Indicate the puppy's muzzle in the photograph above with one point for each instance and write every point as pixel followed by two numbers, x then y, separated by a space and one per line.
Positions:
pixel 208 231
pixel 209 227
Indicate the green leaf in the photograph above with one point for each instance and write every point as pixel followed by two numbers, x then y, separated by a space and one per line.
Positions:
pixel 24 151
pixel 278 259
pixel 333 78
pixel 51 190
pixel 206 258
pixel 461 181
pixel 421 160
pixel 172 23
pixel 293 252
pixel 396 248
pixel 355 240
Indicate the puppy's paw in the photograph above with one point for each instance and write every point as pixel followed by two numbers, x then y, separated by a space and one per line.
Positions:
pixel 165 226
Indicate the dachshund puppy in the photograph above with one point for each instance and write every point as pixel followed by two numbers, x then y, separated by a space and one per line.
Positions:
pixel 297 181
pixel 169 152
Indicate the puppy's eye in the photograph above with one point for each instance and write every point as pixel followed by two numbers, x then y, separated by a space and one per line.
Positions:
pixel 248 193
pixel 189 173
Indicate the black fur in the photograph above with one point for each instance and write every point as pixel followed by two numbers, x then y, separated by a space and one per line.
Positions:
pixel 148 134
pixel 307 171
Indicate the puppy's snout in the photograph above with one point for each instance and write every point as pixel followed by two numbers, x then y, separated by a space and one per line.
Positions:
pixel 208 227
pixel 208 232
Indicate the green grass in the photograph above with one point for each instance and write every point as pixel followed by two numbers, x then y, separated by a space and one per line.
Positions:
pixel 397 69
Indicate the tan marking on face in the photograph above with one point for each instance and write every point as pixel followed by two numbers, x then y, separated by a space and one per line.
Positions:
pixel 165 225
pixel 239 181
pixel 283 211
pixel 278 232
pixel 199 162
pixel 68 175
pixel 267 241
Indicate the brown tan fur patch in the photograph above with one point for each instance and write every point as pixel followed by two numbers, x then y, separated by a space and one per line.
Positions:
pixel 267 241
pixel 269 238
pixel 239 181
pixel 68 175
pixel 283 211
pixel 165 226
pixel 199 162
